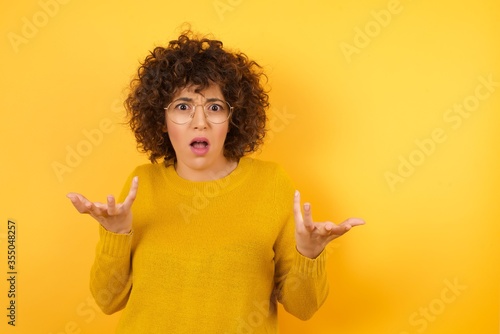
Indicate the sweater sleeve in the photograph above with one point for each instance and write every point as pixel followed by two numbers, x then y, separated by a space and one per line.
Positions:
pixel 110 276
pixel 111 272
pixel 301 283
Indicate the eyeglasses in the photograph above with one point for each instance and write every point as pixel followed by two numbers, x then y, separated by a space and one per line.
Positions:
pixel 182 111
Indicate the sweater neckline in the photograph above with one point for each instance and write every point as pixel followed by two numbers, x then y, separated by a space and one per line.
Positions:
pixel 212 188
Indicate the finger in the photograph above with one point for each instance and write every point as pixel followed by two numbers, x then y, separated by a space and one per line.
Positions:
pixel 111 208
pixel 335 231
pixel 331 229
pixel 296 209
pixel 79 202
pixel 129 200
pixel 308 220
pixel 96 209
pixel 354 222
pixel 301 222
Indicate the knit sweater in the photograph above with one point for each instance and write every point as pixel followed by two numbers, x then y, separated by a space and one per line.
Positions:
pixel 207 257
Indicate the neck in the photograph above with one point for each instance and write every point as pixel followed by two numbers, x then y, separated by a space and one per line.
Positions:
pixel 205 174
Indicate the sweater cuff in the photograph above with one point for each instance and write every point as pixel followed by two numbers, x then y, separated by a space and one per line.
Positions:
pixel 114 244
pixel 310 267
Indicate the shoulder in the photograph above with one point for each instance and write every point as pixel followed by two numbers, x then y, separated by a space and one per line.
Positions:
pixel 149 169
pixel 261 165
pixel 148 173
pixel 267 170
pixel 273 184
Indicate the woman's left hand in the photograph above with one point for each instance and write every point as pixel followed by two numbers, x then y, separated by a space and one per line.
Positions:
pixel 311 237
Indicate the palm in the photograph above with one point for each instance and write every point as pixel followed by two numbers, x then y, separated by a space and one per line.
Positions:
pixel 311 237
pixel 113 217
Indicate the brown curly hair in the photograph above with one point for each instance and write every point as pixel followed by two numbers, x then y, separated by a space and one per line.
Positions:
pixel 197 61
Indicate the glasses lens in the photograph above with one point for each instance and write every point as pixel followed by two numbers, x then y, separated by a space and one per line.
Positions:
pixel 215 112
pixel 179 112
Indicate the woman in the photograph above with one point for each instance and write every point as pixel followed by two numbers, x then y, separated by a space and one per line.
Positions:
pixel 211 240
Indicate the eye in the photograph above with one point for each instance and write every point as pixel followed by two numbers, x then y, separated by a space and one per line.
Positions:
pixel 215 107
pixel 182 107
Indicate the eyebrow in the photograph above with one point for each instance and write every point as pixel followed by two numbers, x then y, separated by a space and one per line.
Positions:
pixel 188 99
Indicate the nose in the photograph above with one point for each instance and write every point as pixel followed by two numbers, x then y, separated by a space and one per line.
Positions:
pixel 199 120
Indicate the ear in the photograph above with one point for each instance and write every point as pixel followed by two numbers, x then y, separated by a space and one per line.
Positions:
pixel 164 128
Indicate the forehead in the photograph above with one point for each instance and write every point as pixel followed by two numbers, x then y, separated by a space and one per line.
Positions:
pixel 192 91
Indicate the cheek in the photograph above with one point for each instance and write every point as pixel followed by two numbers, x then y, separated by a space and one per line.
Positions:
pixel 174 135
pixel 222 134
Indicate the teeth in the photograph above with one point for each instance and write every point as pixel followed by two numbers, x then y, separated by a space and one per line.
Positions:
pixel 199 144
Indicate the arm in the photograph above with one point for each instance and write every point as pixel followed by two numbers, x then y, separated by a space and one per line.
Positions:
pixel 308 271
pixel 300 256
pixel 111 273
pixel 301 282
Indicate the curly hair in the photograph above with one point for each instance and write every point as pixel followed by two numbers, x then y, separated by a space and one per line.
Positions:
pixel 200 62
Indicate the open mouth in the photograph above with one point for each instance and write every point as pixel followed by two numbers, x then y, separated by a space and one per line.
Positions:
pixel 199 144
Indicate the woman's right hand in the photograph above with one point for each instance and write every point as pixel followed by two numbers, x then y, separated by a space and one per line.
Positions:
pixel 113 217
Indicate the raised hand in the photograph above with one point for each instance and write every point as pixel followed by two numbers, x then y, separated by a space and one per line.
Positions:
pixel 113 217
pixel 311 237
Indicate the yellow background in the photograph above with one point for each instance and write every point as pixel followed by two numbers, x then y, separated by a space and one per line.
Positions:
pixel 341 121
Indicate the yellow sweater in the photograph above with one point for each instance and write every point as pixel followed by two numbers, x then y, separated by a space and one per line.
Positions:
pixel 207 257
